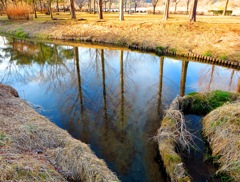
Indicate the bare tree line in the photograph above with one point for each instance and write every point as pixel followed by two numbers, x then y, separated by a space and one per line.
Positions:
pixel 100 5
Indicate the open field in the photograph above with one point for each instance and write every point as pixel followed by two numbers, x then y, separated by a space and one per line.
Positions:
pixel 214 36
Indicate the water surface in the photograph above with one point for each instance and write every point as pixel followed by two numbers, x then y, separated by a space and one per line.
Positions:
pixel 112 100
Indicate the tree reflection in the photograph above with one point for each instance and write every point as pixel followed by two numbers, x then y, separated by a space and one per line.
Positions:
pixel 183 78
pixel 212 77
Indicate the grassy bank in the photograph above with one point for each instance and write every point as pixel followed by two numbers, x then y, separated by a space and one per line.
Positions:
pixel 212 36
pixel 221 128
pixel 220 125
pixel 34 149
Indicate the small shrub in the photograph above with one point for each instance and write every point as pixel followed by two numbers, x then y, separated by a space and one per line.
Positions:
pixel 207 53
pixel 223 57
pixel 19 11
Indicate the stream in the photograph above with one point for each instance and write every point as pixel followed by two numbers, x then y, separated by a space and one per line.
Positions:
pixel 111 98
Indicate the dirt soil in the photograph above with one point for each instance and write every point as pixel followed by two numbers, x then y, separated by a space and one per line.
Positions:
pixel 34 149
pixel 214 36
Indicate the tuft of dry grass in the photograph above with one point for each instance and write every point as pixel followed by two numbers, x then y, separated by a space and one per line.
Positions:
pixel 34 149
pixel 221 128
pixel 18 11
pixel 173 131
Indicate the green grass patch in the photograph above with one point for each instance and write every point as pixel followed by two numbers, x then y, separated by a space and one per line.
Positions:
pixel 20 33
pixel 207 53
pixel 202 104
pixel 223 57
pixel 3 139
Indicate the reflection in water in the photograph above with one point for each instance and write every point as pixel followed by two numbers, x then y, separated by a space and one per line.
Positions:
pixel 112 100
pixel 183 78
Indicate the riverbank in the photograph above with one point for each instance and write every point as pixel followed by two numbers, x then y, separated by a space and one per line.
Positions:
pixel 32 148
pixel 220 125
pixel 212 36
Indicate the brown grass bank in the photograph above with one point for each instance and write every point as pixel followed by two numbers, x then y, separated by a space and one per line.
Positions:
pixel 173 132
pixel 221 128
pixel 34 149
pixel 212 36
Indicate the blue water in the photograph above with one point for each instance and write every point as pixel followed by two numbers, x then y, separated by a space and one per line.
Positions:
pixel 112 104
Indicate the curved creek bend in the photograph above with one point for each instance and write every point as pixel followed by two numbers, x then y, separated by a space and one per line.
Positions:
pixel 111 99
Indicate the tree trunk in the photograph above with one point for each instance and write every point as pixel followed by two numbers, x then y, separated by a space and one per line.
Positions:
pixel 50 9
pixel 73 14
pixel 225 8
pixel 135 7
pixel 35 9
pixel 94 6
pixel 154 9
pixel 125 5
pixel 121 15
pixel 57 6
pixel 130 7
pixel 40 2
pixel 89 6
pixel 193 12
pixel 175 6
pixel 188 6
pixel 100 15
pixel 166 11
pixel 63 5
pixel 110 6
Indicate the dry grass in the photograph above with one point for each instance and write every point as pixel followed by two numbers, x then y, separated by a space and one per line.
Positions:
pixel 221 127
pixel 34 149
pixel 173 132
pixel 217 35
pixel 19 11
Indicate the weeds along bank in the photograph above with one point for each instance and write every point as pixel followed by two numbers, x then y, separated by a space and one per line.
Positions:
pixel 208 38
pixel 33 148
pixel 220 128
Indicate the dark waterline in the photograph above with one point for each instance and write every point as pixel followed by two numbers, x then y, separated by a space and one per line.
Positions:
pixel 112 100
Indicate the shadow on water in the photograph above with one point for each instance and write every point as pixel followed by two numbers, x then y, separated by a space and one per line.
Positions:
pixel 112 100
pixel 198 169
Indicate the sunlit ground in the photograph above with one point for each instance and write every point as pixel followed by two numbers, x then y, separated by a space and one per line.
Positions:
pixel 135 17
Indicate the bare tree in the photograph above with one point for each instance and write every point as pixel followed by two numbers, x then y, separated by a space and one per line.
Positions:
pixel 121 13
pixel 225 8
pixel 187 2
pixel 73 14
pixel 175 4
pixel 166 10
pixel 50 8
pixel 193 12
pixel 100 15
pixel 130 7
pixel 80 3
pixel 154 4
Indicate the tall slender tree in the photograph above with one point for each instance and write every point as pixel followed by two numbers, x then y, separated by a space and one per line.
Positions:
pixel 154 4
pixel 193 12
pixel 100 15
pixel 121 13
pixel 225 8
pixel 166 10
pixel 73 14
